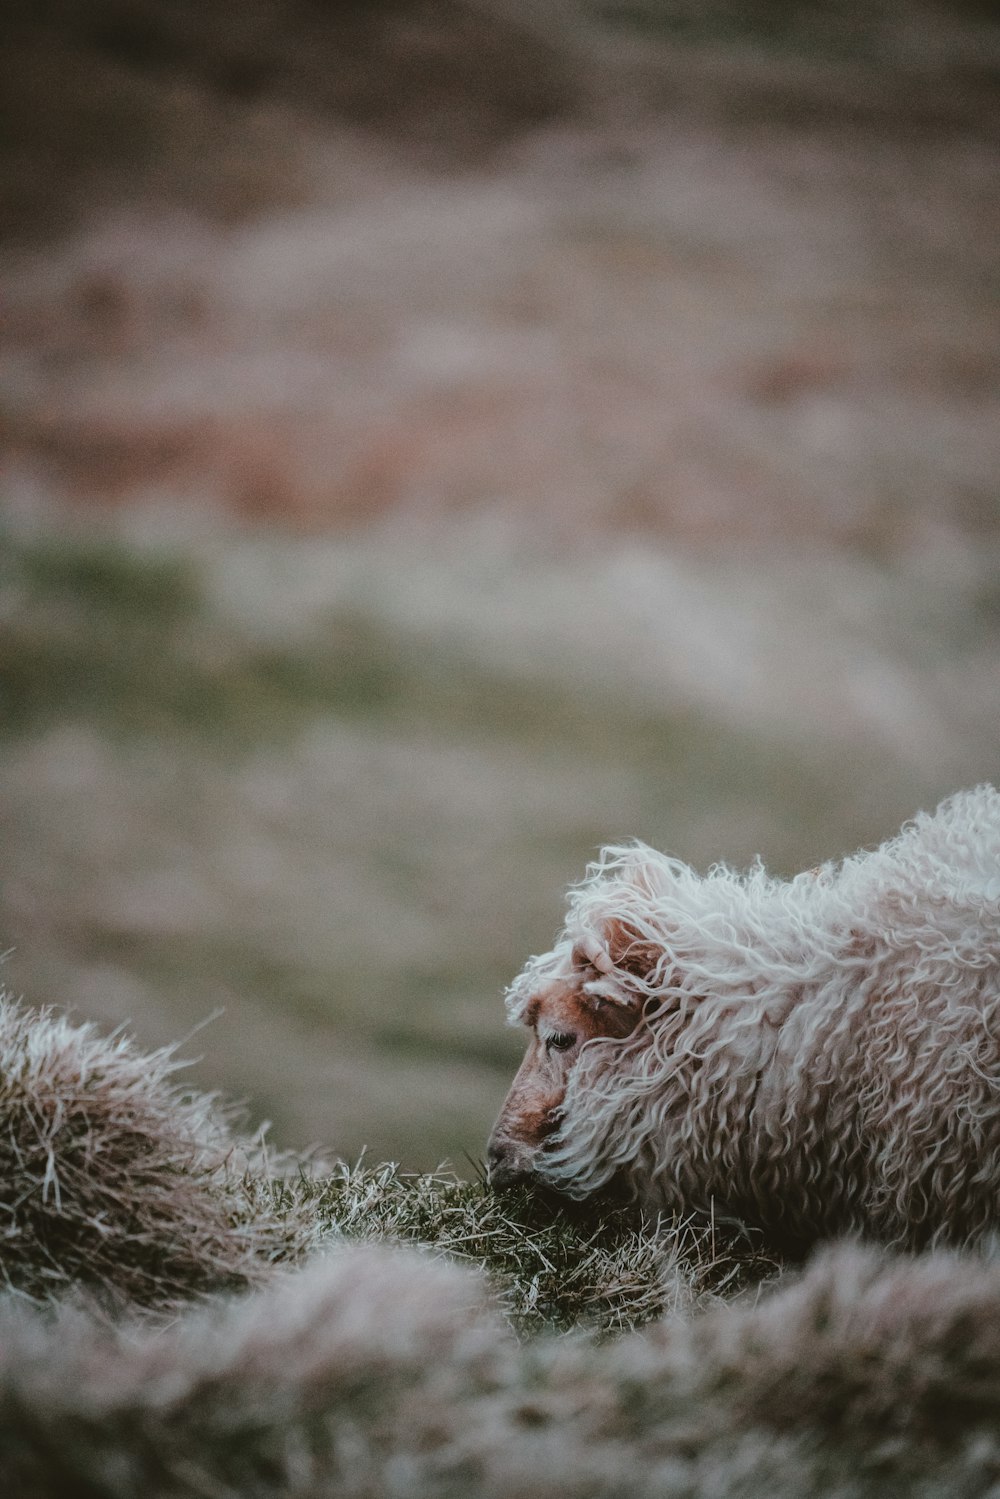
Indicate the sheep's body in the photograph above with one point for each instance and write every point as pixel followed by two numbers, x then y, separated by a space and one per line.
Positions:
pixel 814 1056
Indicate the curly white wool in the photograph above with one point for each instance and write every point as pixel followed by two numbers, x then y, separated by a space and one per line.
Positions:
pixel 815 1056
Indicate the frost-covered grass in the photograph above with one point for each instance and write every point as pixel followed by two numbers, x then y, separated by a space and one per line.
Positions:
pixel 118 1182
pixel 551 1266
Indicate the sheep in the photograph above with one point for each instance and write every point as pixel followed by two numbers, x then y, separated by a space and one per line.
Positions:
pixel 811 1057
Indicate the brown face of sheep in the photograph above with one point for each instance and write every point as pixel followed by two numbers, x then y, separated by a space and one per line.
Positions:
pixel 562 1018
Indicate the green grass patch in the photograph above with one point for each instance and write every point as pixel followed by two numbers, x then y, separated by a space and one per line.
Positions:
pixel 112 579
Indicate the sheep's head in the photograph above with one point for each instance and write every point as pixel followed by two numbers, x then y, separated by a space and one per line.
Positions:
pixel 576 996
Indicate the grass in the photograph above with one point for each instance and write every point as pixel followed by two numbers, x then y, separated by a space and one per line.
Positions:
pixel 118 1181
pixel 552 1266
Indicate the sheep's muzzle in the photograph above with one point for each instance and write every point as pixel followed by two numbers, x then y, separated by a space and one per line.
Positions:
pixel 507 1165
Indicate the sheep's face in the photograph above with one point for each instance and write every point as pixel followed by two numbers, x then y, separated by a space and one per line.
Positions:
pixel 563 1015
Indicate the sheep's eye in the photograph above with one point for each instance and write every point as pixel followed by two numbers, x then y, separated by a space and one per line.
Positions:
pixel 559 1041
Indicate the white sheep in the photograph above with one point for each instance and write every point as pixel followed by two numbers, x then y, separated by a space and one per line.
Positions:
pixel 811 1057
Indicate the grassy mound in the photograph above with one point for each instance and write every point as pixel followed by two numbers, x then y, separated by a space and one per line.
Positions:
pixel 115 1180
pixel 550 1266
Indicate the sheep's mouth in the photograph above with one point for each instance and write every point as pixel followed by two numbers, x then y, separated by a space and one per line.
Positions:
pixel 527 1192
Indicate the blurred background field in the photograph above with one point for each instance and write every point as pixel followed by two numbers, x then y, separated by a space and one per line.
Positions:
pixel 441 436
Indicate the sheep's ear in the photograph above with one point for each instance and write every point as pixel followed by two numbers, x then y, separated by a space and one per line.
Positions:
pixel 628 950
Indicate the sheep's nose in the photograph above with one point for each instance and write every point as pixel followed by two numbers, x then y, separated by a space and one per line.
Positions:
pixel 504 1170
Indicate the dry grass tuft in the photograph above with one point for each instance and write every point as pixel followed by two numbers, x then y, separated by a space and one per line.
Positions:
pixel 117 1181
pixel 551 1265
